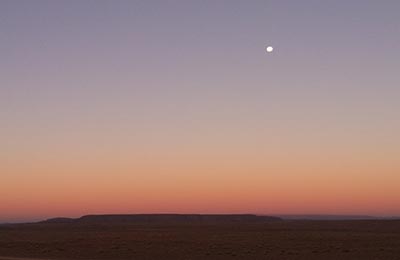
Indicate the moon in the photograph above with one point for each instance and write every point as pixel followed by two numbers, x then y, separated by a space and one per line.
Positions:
pixel 269 49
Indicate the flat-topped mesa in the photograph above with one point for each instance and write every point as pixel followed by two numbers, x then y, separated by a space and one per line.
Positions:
pixel 165 218
pixel 174 218
pixel 58 220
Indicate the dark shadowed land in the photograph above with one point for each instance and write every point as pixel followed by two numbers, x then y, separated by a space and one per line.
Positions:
pixel 20 258
pixel 200 237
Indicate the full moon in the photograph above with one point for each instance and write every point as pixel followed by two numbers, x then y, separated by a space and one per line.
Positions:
pixel 269 49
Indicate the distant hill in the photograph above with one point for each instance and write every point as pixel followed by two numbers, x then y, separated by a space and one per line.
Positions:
pixel 328 217
pixel 58 220
pixel 163 218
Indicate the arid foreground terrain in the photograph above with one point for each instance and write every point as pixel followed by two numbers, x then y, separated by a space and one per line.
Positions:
pixel 357 239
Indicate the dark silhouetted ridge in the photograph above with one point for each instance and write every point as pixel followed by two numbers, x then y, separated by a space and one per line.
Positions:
pixel 58 220
pixel 164 218
pixel 328 217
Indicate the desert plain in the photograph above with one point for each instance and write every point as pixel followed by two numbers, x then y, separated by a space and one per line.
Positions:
pixel 277 239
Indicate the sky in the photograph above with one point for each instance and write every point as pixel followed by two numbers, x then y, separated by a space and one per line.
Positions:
pixel 176 107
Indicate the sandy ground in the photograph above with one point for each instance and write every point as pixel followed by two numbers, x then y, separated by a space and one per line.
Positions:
pixel 18 258
pixel 276 240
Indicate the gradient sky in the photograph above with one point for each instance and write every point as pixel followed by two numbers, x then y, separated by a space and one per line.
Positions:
pixel 174 106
